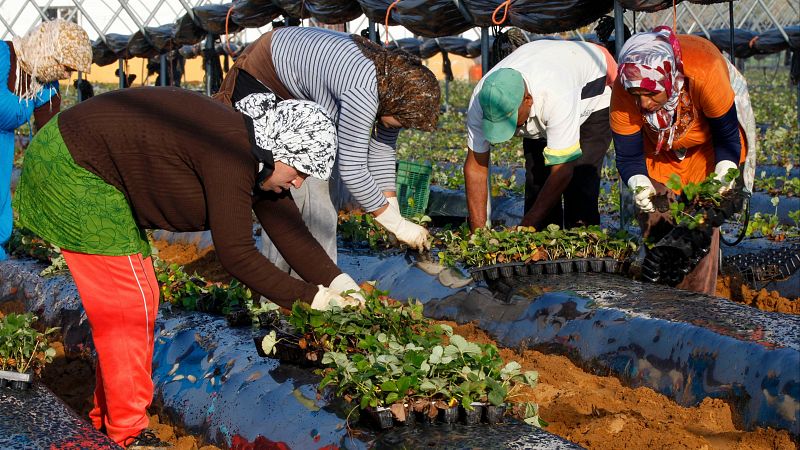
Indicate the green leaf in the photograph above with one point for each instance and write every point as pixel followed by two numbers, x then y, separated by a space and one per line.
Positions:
pixel 389 386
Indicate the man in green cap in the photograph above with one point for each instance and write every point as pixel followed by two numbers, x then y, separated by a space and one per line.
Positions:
pixel 554 94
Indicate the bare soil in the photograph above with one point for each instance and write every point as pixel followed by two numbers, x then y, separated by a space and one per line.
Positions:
pixel 734 288
pixel 598 412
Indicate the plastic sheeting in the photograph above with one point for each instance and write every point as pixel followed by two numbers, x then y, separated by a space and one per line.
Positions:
pixel 741 41
pixel 187 32
pixel 687 346
pixel 254 13
pixel 334 11
pixel 410 45
pixel 375 10
pixel 212 18
pixel 431 18
pixel 482 10
pixel 139 47
pixel 293 8
pixel 772 41
pixel 553 16
pixel 118 43
pixel 37 419
pixel 209 379
pixel 101 54
pixel 162 38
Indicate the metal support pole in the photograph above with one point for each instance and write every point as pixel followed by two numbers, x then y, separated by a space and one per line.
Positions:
pixel 619 27
pixel 164 69
pixel 625 198
pixel 373 30
pixel 209 50
pixel 484 50
pixel 78 84
pixel 731 24
pixel 121 72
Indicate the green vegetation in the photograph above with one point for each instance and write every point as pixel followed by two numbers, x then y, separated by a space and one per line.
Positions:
pixel 525 244
pixel 388 355
pixel 22 348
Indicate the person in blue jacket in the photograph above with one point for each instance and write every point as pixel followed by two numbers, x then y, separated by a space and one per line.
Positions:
pixel 30 67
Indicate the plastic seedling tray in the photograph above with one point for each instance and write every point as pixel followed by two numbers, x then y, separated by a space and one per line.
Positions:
pixel 597 265
pixel 16 380
pixel 288 348
pixel 551 268
pixel 494 414
pixel 581 265
pixel 565 265
pixel 473 417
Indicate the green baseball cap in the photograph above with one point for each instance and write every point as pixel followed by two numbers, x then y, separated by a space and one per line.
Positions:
pixel 500 98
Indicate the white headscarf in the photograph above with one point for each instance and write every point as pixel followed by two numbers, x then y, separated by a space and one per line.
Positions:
pixel 298 133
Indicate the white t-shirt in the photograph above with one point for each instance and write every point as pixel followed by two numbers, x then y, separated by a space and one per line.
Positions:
pixel 567 81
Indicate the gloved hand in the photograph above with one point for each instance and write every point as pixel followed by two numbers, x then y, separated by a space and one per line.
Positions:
pixel 394 203
pixel 343 283
pixel 642 189
pixel 327 298
pixel 412 234
pixel 721 170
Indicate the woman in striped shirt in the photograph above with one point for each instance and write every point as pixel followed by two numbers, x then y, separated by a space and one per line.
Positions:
pixel 369 91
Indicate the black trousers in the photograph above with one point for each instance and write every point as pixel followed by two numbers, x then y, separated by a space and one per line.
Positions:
pixel 580 198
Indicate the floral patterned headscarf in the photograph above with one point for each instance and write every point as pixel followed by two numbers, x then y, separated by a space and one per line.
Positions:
pixel 298 133
pixel 407 89
pixel 46 50
pixel 653 61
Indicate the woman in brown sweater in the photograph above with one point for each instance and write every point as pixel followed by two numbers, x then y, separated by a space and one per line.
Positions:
pixel 106 169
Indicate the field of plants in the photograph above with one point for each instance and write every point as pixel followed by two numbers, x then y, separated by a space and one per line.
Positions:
pixel 388 365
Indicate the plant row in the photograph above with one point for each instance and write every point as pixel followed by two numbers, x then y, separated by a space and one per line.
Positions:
pixel 388 357
pixel 23 349
pixel 524 244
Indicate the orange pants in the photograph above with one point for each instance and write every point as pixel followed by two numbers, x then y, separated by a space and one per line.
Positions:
pixel 120 296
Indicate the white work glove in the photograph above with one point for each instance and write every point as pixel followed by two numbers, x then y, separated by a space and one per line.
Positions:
pixel 410 233
pixel 721 170
pixel 393 203
pixel 327 298
pixel 642 189
pixel 343 283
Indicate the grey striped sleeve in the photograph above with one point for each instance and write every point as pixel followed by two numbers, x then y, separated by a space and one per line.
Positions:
pixel 382 157
pixel 356 118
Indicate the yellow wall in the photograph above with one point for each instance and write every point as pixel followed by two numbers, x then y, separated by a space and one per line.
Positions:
pixel 194 70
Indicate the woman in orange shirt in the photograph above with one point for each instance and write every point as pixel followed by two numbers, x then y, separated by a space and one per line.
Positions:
pixel 673 112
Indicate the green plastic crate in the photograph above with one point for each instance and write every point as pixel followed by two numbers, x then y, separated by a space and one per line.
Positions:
pixel 413 187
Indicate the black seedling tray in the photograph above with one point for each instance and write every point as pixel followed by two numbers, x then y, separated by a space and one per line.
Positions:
pixel 15 380
pixel 289 346
pixel 550 267
pixel 382 418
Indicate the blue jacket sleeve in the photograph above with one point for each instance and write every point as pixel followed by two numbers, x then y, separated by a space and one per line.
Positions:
pixel 725 136
pixel 629 150
pixel 13 112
